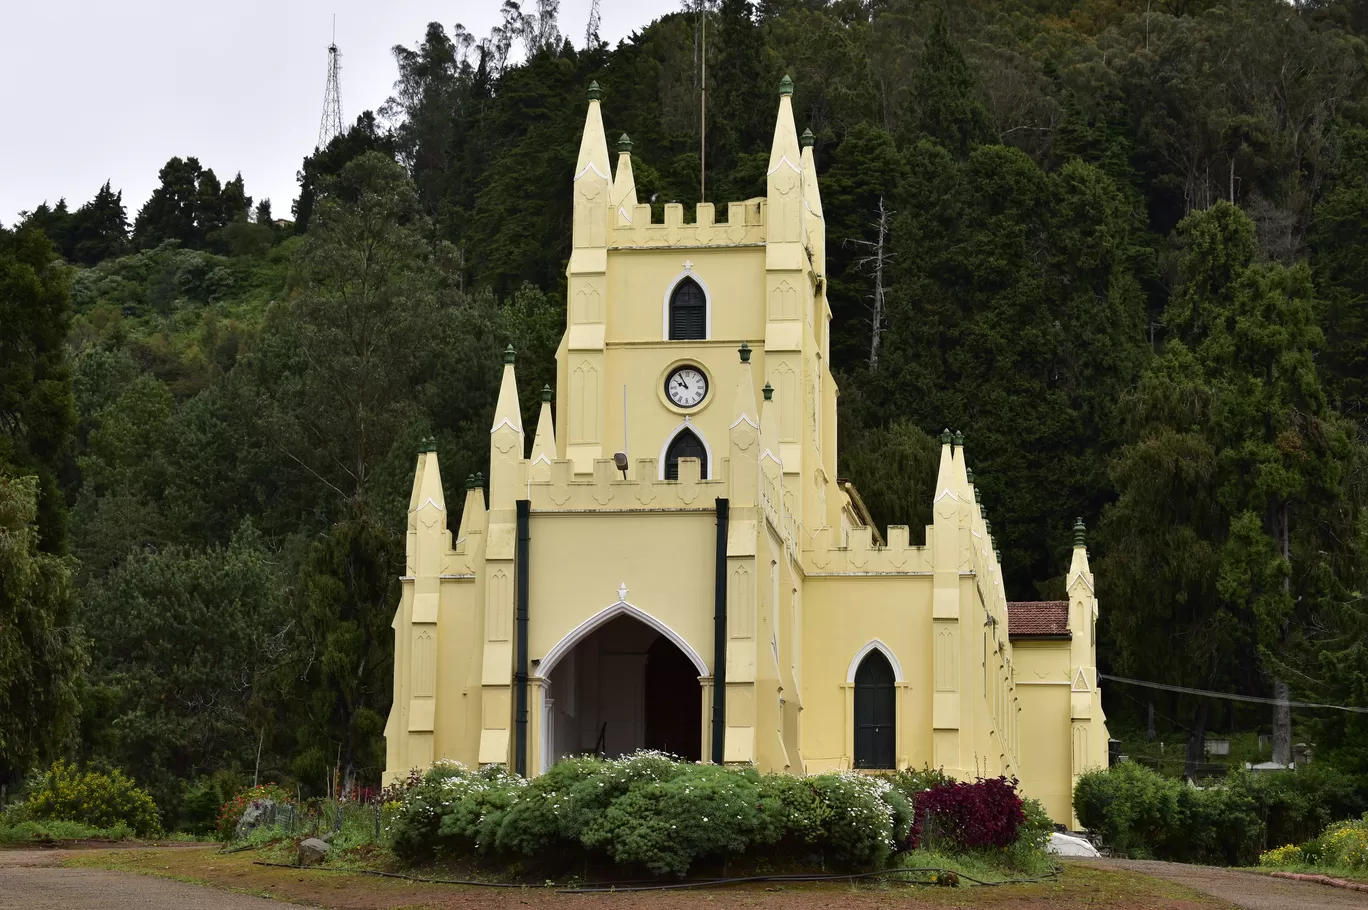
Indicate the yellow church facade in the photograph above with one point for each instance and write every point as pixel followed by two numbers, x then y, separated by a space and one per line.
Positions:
pixel 675 563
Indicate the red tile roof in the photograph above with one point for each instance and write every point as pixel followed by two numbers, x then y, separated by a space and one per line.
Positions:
pixel 1037 617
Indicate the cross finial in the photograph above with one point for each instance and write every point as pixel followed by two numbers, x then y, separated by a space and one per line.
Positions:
pixel 622 593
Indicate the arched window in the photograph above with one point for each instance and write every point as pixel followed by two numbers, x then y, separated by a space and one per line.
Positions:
pixel 875 704
pixel 685 445
pixel 688 312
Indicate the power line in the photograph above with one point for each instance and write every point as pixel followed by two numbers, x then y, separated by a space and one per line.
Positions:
pixel 1230 696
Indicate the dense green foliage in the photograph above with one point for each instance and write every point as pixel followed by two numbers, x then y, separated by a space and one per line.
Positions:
pixel 1123 249
pixel 651 812
pixel 66 794
pixel 1141 813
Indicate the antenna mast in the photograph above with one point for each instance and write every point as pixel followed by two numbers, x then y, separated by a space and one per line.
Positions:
pixel 591 33
pixel 331 124
pixel 703 105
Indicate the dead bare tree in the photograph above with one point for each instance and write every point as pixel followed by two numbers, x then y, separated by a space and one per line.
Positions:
pixel 877 260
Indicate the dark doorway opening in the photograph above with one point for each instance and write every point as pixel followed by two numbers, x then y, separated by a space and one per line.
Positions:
pixel 875 713
pixel 674 709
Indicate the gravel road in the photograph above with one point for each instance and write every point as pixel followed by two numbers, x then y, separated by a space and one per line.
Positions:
pixel 1249 890
pixel 32 879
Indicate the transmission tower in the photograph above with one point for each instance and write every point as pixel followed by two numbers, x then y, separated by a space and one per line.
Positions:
pixel 591 34
pixel 331 124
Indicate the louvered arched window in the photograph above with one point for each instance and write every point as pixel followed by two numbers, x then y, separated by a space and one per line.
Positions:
pixel 688 312
pixel 685 445
pixel 875 713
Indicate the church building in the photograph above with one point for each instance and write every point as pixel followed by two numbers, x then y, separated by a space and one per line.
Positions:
pixel 676 562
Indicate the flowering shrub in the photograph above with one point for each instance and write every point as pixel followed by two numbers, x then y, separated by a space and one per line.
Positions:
pixel 65 793
pixel 986 813
pixel 231 813
pixel 1345 844
pixel 648 811
pixel 1288 855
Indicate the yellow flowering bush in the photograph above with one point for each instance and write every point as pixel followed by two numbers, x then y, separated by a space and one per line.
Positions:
pixel 1345 844
pixel 1286 855
pixel 66 793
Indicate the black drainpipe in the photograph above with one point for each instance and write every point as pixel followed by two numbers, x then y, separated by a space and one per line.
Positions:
pixel 719 725
pixel 520 718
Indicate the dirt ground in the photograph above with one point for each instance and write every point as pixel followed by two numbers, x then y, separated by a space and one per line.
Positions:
pixel 106 878
pixel 35 880
pixel 1247 890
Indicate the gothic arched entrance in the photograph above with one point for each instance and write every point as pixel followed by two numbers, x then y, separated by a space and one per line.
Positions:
pixel 624 686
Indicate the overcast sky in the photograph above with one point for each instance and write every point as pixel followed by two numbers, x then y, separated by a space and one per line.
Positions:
pixel 99 90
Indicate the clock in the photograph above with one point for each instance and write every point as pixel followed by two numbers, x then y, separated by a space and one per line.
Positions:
pixel 686 386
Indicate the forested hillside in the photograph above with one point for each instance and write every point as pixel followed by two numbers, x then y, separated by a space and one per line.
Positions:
pixel 1121 244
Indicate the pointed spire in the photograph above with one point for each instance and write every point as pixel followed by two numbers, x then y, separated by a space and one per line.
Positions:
pixel 945 476
pixel 784 148
pixel 428 482
pixel 505 440
pixel 812 205
pixel 624 198
pixel 473 512
pixel 544 443
pixel 784 218
pixel 961 469
pixel 593 181
pixel 770 458
pixel 743 403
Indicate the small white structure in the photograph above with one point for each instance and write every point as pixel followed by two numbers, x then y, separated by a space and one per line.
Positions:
pixel 1070 845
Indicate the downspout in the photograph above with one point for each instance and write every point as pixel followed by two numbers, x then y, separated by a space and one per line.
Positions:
pixel 520 716
pixel 719 724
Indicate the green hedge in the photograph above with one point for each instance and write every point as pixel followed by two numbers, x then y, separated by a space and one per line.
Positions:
pixel 1144 814
pixel 652 812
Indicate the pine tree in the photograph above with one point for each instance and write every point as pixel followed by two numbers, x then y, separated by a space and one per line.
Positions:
pixel 100 228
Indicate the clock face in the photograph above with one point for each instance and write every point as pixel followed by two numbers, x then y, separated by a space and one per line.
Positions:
pixel 687 386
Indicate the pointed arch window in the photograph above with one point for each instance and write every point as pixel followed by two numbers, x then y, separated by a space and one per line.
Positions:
pixel 685 445
pixel 688 312
pixel 875 712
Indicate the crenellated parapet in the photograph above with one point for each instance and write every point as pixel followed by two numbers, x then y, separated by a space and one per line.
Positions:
pixel 606 490
pixel 635 228
pixel 824 553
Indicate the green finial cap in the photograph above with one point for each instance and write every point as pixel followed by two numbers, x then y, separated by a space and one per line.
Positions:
pixel 745 352
pixel 427 444
pixel 625 143
pixel 594 93
pixel 945 436
pixel 768 392
pixel 1080 533
pixel 969 473
pixel 978 495
pixel 546 393
pixel 807 140
pixel 998 554
pixel 959 440
pixel 988 526
pixel 509 354
pixel 479 479
pixel 470 482
pixel 786 86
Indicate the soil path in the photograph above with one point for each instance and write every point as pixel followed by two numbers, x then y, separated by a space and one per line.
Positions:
pixel 1248 890
pixel 34 880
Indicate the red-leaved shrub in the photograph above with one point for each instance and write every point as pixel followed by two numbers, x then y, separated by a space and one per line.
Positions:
pixel 986 813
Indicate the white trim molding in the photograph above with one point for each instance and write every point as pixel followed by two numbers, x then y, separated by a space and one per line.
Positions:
pixel 670 437
pixel 874 645
pixel 707 301
pixel 603 617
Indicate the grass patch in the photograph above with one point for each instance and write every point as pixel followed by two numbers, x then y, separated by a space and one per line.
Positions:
pixel 31 832
pixel 1344 872
pixel 1077 886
